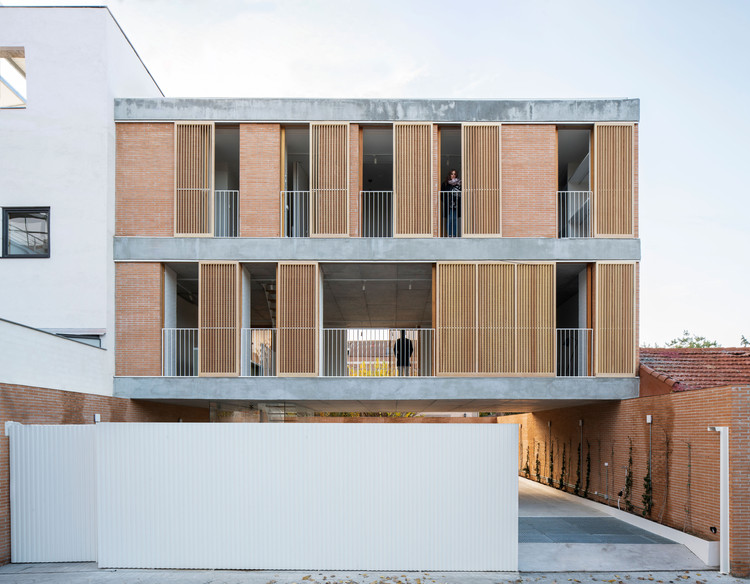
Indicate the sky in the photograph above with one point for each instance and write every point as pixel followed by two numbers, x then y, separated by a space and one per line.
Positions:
pixel 688 62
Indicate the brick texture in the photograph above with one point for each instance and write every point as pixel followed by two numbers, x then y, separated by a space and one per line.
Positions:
pixel 138 318
pixel 145 180
pixel 529 187
pixel 685 457
pixel 260 180
pixel 33 405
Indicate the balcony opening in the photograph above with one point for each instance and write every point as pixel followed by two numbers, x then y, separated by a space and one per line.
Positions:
pixel 296 193
pixel 377 320
pixel 259 334
pixel 226 180
pixel 573 182
pixel 12 77
pixel 450 193
pixel 180 332
pixel 376 197
pixel 574 333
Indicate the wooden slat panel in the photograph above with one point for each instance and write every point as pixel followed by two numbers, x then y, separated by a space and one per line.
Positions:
pixel 297 317
pixel 456 304
pixel 480 144
pixel 412 176
pixel 613 180
pixel 615 319
pixel 219 319
pixel 536 319
pixel 329 171
pixel 496 318
pixel 194 165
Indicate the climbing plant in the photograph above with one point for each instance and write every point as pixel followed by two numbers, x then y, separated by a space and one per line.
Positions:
pixel 647 498
pixel 588 469
pixel 561 483
pixel 577 487
pixel 550 480
pixel 538 467
pixel 629 478
pixel 526 469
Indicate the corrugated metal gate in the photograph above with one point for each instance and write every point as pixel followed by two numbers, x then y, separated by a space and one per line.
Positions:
pixel 267 496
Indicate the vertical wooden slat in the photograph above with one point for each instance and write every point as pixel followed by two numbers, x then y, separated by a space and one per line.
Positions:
pixel 412 173
pixel 219 319
pixel 480 145
pixel 536 319
pixel 329 174
pixel 496 318
pixel 613 180
pixel 615 319
pixel 194 162
pixel 297 317
pixel 456 318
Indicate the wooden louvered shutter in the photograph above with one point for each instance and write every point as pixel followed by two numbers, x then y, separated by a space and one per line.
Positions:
pixel 329 174
pixel 613 180
pixel 480 145
pixel 194 179
pixel 496 318
pixel 615 319
pixel 535 289
pixel 219 319
pixel 297 318
pixel 456 315
pixel 412 179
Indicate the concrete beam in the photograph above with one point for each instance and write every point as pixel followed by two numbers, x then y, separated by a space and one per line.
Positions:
pixel 378 110
pixel 356 249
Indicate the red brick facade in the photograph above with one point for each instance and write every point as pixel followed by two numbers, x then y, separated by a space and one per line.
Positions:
pixel 260 180
pixel 685 456
pixel 145 180
pixel 138 318
pixel 33 405
pixel 529 189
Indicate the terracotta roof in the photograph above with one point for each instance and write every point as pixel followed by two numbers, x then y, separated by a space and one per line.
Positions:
pixel 685 369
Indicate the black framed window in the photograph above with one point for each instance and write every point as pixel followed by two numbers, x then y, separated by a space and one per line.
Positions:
pixel 26 232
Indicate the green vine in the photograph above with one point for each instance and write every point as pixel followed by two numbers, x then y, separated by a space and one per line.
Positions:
pixel 629 479
pixel 550 480
pixel 577 487
pixel 538 467
pixel 588 469
pixel 561 483
pixel 648 499
pixel 526 469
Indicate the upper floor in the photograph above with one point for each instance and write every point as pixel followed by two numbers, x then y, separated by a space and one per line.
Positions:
pixel 377 169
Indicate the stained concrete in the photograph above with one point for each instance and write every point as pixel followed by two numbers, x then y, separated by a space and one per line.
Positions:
pixel 379 110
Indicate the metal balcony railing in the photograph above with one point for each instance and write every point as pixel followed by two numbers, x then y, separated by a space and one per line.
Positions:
pixel 296 206
pixel 574 212
pixel 449 219
pixel 378 352
pixel 226 213
pixel 376 213
pixel 574 352
pixel 179 352
pixel 258 352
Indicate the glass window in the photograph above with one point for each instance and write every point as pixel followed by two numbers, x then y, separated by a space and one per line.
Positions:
pixel 12 77
pixel 26 232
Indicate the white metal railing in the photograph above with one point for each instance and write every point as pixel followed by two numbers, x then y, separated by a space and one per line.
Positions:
pixel 378 352
pixel 376 213
pixel 226 213
pixel 450 214
pixel 574 352
pixel 574 214
pixel 296 206
pixel 258 352
pixel 179 352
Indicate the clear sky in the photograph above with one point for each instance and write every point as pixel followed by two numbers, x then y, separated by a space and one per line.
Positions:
pixel 687 61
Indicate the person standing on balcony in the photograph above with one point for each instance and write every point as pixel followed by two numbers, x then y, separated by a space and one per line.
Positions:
pixel 452 203
pixel 403 348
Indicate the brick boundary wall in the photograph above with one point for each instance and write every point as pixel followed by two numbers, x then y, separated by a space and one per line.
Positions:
pixel 685 456
pixel 144 179
pixel 529 180
pixel 34 405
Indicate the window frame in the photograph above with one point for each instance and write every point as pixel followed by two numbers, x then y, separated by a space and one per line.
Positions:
pixel 6 239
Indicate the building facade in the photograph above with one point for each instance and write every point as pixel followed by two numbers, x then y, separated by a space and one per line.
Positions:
pixel 314 253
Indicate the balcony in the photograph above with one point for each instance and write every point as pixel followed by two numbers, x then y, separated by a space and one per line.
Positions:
pixel 574 212
pixel 296 205
pixel 226 213
pixel 376 213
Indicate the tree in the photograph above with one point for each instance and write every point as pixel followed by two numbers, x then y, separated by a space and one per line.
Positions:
pixel 690 341
pixel 743 341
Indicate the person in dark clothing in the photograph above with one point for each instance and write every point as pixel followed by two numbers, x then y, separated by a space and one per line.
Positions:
pixel 403 348
pixel 452 203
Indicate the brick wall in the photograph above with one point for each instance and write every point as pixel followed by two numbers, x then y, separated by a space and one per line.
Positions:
pixel 260 180
pixel 138 318
pixel 529 187
pixel 685 457
pixel 33 405
pixel 144 180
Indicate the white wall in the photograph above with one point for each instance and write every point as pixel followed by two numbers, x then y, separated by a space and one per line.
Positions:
pixel 60 152
pixel 38 359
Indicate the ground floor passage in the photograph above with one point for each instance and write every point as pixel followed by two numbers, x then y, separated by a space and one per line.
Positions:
pixel 560 532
